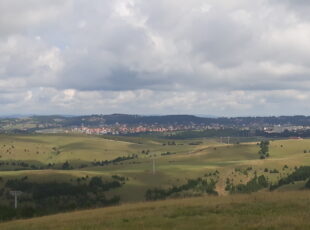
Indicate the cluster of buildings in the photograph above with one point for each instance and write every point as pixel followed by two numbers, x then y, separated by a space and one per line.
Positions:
pixel 127 129
pixel 124 129
pixel 283 128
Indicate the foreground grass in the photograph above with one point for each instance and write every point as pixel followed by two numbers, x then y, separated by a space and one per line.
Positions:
pixel 277 210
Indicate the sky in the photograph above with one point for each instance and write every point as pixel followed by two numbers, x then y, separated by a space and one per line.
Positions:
pixel 207 57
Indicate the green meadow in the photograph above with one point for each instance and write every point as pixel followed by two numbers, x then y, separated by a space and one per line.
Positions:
pixel 160 163
pixel 187 160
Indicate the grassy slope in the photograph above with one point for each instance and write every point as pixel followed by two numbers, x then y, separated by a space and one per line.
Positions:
pixel 189 162
pixel 83 148
pixel 277 210
pixel 40 148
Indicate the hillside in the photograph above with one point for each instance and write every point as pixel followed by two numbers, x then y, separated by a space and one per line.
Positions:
pixel 263 211
pixel 51 170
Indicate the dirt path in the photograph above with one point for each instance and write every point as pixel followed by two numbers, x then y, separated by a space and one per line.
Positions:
pixel 221 184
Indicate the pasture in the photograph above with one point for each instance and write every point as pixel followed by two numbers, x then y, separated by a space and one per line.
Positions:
pixel 187 159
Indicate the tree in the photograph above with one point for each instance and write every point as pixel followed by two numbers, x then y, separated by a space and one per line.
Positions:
pixel 66 166
pixel 308 184
pixel 264 149
pixel 95 182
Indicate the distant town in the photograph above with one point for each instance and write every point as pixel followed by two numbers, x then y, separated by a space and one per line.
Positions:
pixel 123 124
pixel 124 129
pixel 118 129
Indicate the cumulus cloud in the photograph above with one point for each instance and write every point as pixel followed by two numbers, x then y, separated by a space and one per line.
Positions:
pixel 132 56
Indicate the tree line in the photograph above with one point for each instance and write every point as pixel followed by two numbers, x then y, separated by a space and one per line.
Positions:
pixel 300 174
pixel 52 197
pixel 199 184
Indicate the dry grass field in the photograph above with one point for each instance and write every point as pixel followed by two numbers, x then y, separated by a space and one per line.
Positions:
pixel 260 211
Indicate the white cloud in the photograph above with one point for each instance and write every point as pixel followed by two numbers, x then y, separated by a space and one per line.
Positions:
pixel 208 57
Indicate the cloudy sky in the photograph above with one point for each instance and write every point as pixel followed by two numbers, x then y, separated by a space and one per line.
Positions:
pixel 215 57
